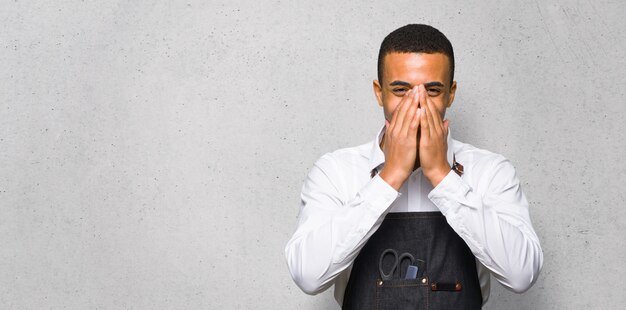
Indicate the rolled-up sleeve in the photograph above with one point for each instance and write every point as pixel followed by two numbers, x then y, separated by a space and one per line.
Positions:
pixel 332 228
pixel 494 222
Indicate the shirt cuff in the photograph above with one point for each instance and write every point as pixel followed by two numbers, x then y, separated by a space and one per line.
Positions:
pixel 379 194
pixel 451 189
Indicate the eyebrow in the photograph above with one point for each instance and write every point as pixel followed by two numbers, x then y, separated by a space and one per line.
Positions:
pixel 431 84
pixel 400 83
pixel 426 85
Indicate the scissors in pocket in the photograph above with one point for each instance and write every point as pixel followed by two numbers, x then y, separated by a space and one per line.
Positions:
pixel 415 265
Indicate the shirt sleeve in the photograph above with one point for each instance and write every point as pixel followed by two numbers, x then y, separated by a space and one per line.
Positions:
pixel 332 228
pixel 495 222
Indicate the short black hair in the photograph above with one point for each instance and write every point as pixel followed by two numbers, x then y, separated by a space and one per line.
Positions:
pixel 416 38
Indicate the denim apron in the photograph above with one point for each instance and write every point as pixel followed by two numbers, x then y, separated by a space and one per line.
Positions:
pixel 449 279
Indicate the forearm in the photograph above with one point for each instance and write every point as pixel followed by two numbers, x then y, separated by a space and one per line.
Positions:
pixel 329 236
pixel 496 228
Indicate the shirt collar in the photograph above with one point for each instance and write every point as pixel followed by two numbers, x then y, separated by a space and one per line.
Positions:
pixel 377 157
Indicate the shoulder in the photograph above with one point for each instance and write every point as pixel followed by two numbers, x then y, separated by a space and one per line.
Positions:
pixel 347 157
pixel 467 154
pixel 485 169
pixel 338 170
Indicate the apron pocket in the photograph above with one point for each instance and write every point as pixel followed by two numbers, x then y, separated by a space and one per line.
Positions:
pixel 399 294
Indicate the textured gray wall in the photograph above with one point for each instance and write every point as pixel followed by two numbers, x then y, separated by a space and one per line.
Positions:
pixel 153 152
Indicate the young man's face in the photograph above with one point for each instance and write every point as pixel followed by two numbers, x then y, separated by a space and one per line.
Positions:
pixel 402 71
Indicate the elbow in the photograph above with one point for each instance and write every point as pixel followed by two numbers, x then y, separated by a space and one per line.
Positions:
pixel 304 277
pixel 308 285
pixel 520 283
pixel 524 278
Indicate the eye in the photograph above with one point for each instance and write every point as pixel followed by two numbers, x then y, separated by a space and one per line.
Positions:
pixel 434 92
pixel 399 91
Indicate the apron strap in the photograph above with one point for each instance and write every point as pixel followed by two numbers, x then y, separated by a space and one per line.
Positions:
pixel 458 168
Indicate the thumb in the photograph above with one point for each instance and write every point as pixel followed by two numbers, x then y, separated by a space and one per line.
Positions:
pixel 386 123
pixel 446 124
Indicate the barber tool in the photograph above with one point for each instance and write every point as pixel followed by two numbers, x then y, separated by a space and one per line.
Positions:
pixel 412 270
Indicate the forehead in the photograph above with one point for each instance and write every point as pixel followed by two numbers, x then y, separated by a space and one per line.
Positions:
pixel 416 68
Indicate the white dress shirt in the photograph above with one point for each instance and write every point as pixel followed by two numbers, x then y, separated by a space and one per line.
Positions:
pixel 342 206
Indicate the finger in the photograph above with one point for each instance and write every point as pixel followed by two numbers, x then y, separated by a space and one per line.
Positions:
pixel 407 105
pixel 395 118
pixel 434 115
pixel 410 114
pixel 394 114
pixel 401 121
pixel 386 131
pixel 425 134
pixel 429 112
pixel 415 122
pixel 438 123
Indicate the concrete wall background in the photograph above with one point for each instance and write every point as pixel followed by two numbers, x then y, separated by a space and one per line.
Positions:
pixel 153 152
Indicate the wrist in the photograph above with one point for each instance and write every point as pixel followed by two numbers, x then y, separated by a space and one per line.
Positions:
pixel 393 178
pixel 436 176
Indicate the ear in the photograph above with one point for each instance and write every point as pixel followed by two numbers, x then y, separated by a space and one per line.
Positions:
pixel 378 92
pixel 452 92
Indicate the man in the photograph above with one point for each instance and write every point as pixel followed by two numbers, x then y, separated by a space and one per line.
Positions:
pixel 454 214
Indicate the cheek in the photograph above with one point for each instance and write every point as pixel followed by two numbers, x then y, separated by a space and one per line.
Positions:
pixel 440 105
pixel 389 107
